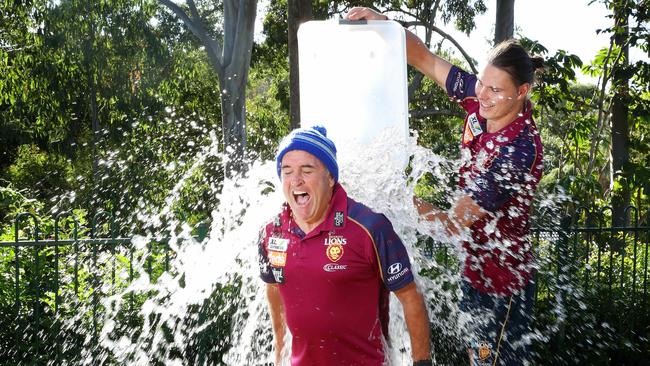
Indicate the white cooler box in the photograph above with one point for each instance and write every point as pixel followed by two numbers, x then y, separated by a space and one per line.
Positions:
pixel 353 82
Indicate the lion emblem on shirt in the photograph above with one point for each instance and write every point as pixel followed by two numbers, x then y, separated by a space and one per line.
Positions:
pixel 334 251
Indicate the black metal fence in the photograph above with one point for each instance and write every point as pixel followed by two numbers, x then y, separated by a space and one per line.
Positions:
pixel 595 274
pixel 50 277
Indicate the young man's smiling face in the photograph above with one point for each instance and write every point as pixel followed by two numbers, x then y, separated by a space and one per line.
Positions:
pixel 307 186
pixel 500 99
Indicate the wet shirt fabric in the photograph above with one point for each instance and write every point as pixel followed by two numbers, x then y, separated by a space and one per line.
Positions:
pixel 500 171
pixel 335 281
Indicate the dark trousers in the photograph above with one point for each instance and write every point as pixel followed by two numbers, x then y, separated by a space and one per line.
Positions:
pixel 498 325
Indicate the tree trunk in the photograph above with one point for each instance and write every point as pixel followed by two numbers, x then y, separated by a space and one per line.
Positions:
pixel 233 121
pixel 299 11
pixel 92 96
pixel 239 23
pixel 505 20
pixel 231 61
pixel 620 146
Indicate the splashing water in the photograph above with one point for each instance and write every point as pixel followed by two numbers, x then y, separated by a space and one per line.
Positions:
pixel 228 257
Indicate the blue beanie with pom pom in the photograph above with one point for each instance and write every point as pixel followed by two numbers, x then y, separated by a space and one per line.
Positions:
pixel 314 141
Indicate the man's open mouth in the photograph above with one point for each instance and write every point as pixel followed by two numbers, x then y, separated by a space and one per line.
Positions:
pixel 301 197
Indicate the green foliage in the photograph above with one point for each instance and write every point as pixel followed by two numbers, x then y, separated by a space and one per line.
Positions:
pixel 267 115
pixel 42 175
pixel 13 201
pixel 113 105
pixel 464 12
pixel 147 80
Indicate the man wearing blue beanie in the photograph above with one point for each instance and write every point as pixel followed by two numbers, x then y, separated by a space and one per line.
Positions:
pixel 314 141
pixel 330 262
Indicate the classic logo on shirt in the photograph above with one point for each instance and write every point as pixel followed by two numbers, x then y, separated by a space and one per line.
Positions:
pixel 278 259
pixel 278 244
pixel 334 252
pixel 332 267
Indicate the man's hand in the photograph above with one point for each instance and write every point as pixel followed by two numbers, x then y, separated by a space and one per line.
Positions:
pixel 359 13
pixel 463 214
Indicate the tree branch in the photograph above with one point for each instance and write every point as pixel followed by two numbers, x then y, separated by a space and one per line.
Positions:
pixel 196 27
pixel 445 35
pixel 458 46
pixel 607 73
pixel 180 13
pixel 193 10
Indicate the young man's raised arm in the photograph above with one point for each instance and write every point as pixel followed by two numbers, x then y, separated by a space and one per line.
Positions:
pixel 417 53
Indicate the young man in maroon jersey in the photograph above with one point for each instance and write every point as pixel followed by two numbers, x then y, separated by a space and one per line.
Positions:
pixel 501 165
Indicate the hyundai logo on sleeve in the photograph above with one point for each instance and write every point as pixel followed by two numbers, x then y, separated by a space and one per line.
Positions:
pixel 394 268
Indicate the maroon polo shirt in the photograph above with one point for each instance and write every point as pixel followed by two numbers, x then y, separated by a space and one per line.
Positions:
pixel 500 171
pixel 334 281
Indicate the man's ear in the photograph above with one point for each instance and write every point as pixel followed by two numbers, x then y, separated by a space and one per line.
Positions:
pixel 523 90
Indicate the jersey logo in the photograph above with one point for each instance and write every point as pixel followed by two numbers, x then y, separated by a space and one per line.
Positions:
pixel 331 267
pixel 278 244
pixel 278 274
pixel 338 218
pixel 334 251
pixel 484 351
pixel 394 268
pixel 474 124
pixel 278 259
pixel 459 84
pixel 396 271
pixel 335 239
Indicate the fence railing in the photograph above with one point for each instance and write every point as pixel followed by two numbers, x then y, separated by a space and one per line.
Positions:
pixel 50 269
pixel 583 263
pixel 599 275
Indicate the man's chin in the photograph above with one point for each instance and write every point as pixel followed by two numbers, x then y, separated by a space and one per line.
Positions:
pixel 298 211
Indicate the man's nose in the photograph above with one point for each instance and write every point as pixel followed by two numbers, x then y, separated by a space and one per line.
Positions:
pixel 296 180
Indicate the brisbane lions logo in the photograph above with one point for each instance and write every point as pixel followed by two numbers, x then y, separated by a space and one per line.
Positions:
pixel 334 251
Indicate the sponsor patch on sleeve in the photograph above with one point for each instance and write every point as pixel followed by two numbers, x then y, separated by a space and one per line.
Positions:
pixel 278 259
pixel 468 136
pixel 278 274
pixel 278 244
pixel 396 271
pixel 474 124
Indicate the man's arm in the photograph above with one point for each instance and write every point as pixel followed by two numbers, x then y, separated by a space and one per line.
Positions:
pixel 417 53
pixel 276 308
pixel 417 321
pixel 462 215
